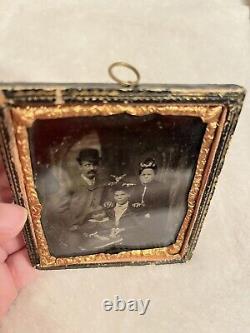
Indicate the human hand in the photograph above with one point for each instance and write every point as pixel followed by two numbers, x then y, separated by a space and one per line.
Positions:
pixel 108 204
pixel 15 268
pixel 103 238
pixel 115 232
pixel 137 205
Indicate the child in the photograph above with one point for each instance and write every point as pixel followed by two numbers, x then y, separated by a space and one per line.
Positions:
pixel 124 220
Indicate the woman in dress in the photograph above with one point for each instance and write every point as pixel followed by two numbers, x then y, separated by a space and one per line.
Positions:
pixel 150 200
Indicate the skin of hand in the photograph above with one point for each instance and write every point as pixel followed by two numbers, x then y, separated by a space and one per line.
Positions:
pixel 15 268
pixel 137 205
pixel 108 204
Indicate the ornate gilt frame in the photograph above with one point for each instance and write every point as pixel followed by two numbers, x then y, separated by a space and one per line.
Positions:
pixel 217 106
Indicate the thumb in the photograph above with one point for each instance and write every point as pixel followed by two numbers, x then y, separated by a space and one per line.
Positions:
pixel 12 220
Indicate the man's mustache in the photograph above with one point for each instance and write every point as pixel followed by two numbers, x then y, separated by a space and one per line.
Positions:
pixel 93 172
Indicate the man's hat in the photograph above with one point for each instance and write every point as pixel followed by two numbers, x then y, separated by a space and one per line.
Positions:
pixel 90 155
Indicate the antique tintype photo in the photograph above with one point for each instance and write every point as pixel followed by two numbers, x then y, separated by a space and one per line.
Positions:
pixel 114 183
pixel 115 176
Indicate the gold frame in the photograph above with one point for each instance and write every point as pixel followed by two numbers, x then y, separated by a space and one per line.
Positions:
pixel 22 118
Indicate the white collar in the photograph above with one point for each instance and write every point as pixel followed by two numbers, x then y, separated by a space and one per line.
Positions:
pixel 119 211
pixel 123 206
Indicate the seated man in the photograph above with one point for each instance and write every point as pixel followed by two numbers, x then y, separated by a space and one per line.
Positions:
pixel 69 200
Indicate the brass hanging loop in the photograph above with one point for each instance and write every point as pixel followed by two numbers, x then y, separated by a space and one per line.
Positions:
pixel 124 82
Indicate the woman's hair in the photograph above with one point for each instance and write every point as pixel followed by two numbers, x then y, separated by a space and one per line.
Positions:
pixel 148 163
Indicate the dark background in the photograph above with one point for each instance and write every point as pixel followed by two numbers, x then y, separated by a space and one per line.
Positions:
pixel 174 141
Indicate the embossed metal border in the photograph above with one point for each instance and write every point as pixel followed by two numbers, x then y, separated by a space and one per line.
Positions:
pixel 218 106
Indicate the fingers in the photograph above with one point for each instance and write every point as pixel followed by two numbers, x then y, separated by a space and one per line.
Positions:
pixel 12 219
pixel 16 271
pixel 21 270
pixel 13 245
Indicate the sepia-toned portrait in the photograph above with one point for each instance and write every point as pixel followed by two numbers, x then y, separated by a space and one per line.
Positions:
pixel 114 183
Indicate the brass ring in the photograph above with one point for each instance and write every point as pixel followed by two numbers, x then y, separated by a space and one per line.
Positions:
pixel 123 82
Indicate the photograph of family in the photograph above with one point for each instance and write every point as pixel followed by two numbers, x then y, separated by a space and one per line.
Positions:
pixel 113 183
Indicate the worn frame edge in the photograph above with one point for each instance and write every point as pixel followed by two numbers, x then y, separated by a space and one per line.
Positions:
pixel 12 176
pixel 234 108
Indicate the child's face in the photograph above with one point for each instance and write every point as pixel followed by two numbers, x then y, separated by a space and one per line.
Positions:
pixel 121 197
pixel 147 175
